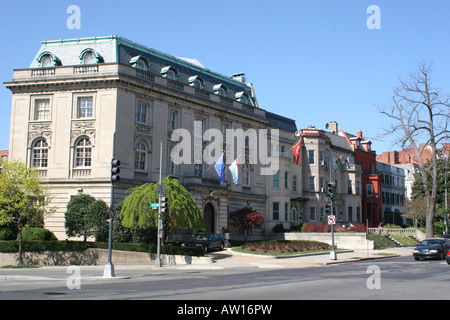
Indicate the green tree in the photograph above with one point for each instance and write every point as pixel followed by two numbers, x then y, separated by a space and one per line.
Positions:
pixel 24 199
pixel 87 217
pixel 183 212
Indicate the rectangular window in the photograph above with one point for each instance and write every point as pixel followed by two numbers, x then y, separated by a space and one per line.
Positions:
pixel 276 180
pixel 358 214
pixel 276 211
pixel 142 112
pixel 173 116
pixel 85 107
pixel 286 211
pixel 286 180
pixel 311 157
pixel 322 184
pixel 350 189
pixel 42 109
pixel 350 214
pixel 369 190
pixel 312 184
pixel 312 214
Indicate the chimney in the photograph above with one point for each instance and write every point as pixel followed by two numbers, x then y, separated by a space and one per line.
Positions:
pixel 239 77
pixel 333 127
pixel 360 135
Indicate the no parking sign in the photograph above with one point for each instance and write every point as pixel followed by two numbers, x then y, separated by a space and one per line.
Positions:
pixel 331 220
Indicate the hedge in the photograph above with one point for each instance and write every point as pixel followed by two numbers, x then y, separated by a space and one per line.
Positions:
pixel 40 246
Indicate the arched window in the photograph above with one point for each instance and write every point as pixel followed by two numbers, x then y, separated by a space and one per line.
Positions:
pixel 40 154
pixel 140 62
pixel 220 90
pixel 294 214
pixel 90 56
pixel 242 97
pixel 83 153
pixel 169 73
pixel 140 156
pixel 48 60
pixel 196 82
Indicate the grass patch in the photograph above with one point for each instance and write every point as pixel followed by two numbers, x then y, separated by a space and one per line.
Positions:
pixel 19 267
pixel 282 248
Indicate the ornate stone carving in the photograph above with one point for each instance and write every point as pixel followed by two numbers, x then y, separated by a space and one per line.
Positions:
pixel 39 129
pixel 83 128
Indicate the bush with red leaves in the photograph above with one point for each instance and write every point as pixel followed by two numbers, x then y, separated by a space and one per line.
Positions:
pixel 246 219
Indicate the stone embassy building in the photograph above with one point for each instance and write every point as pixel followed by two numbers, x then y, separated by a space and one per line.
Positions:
pixel 77 93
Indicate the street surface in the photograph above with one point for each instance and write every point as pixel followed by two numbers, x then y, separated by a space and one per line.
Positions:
pixel 388 278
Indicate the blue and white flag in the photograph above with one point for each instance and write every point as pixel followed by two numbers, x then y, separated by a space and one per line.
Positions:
pixel 234 168
pixel 220 168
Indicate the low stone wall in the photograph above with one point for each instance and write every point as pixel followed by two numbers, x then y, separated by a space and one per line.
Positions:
pixel 98 257
pixel 342 240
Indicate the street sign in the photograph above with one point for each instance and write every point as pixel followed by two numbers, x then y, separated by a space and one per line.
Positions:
pixel 331 220
pixel 154 205
pixel 161 189
pixel 160 234
pixel 112 212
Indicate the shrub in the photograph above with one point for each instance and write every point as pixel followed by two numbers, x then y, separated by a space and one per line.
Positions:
pixel 40 246
pixel 35 234
pixel 7 234
pixel 278 228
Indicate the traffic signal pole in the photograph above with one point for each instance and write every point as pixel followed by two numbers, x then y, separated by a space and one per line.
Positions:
pixel 333 255
pixel 109 267
pixel 158 250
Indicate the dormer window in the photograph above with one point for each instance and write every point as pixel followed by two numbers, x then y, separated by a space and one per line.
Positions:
pixel 169 73
pixel 242 97
pixel 90 56
pixel 48 60
pixel 140 62
pixel 196 82
pixel 221 90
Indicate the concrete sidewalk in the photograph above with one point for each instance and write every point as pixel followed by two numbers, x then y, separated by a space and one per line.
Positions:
pixel 231 259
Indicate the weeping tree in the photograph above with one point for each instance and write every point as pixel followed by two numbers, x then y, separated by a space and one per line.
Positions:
pixel 420 116
pixel 183 212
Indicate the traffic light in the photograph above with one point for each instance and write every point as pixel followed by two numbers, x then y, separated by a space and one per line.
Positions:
pixel 164 223
pixel 328 208
pixel 330 189
pixel 164 205
pixel 115 170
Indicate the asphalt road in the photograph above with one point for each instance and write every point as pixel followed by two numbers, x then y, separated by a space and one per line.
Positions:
pixel 399 278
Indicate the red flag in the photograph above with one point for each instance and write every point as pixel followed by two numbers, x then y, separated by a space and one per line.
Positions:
pixel 296 149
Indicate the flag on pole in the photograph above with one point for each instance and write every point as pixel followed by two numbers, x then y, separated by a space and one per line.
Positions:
pixel 297 149
pixel 220 168
pixel 234 168
pixel 339 163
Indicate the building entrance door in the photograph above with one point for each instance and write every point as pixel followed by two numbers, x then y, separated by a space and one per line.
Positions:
pixel 209 216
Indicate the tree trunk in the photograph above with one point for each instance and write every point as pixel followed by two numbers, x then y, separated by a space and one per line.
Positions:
pixel 20 248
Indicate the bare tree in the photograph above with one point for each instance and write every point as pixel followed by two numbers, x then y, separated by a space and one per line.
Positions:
pixel 420 112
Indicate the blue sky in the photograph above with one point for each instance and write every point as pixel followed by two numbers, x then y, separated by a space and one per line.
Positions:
pixel 314 61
